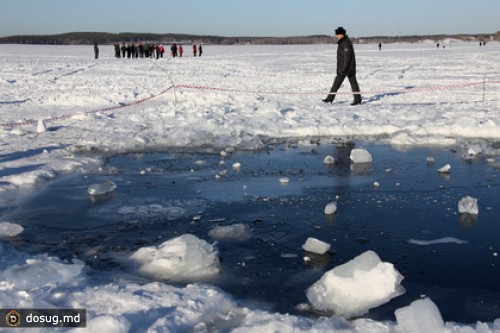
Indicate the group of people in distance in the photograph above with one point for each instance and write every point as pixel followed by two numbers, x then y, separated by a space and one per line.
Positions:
pixel 146 50
pixel 177 51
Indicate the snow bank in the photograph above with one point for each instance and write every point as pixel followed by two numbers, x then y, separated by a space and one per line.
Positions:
pixel 352 289
pixel 184 258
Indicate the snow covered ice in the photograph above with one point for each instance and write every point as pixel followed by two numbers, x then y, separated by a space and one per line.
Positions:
pixel 57 102
pixel 355 287
pixel 184 258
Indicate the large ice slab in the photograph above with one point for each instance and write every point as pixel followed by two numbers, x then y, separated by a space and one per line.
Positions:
pixel 184 258
pixel 352 289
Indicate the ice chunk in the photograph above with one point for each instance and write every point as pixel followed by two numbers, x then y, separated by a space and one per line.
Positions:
pixel 10 229
pixel 184 258
pixel 445 168
pixel 316 246
pixel 101 189
pixel 468 205
pixel 237 231
pixel 236 166
pixel 329 160
pixel 284 180
pixel 352 289
pixel 474 150
pixel 360 155
pixel 421 316
pixel 41 127
pixel 331 208
pixel 42 271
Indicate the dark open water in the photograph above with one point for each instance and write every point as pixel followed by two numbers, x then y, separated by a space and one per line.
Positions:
pixel 160 194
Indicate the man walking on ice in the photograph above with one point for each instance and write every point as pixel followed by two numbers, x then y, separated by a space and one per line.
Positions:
pixel 346 66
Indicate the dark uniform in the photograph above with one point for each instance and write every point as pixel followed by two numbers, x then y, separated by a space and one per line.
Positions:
pixel 346 66
pixel 96 50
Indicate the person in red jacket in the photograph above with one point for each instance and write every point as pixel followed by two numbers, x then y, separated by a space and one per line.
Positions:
pixel 195 50
pixel 181 51
pixel 346 66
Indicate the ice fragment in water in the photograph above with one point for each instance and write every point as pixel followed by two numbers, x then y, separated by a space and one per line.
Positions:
pixel 421 316
pixel 360 155
pixel 468 205
pixel 316 246
pixel 101 189
pixel 331 208
pixel 184 258
pixel 474 150
pixel 237 231
pixel 8 229
pixel 355 287
pixel 284 180
pixel 445 168
pixel 329 160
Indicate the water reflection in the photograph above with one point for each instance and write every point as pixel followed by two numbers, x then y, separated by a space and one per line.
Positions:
pixel 467 220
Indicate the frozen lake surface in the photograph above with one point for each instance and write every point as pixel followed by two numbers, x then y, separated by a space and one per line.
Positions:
pixel 155 129
pixel 163 195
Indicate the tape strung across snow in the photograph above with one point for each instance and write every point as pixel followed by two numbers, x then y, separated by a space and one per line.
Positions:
pixel 243 91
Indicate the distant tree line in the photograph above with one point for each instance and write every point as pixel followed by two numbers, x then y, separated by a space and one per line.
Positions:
pixel 86 38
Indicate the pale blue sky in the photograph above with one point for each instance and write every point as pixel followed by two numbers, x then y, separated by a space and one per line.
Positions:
pixel 251 18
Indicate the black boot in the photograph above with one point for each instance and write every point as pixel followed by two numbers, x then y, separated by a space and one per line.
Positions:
pixel 357 101
pixel 329 99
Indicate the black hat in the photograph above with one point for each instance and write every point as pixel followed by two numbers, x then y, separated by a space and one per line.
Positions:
pixel 340 31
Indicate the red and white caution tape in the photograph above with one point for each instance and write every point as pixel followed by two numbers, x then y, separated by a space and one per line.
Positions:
pixel 243 91
pixel 379 92
pixel 68 116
